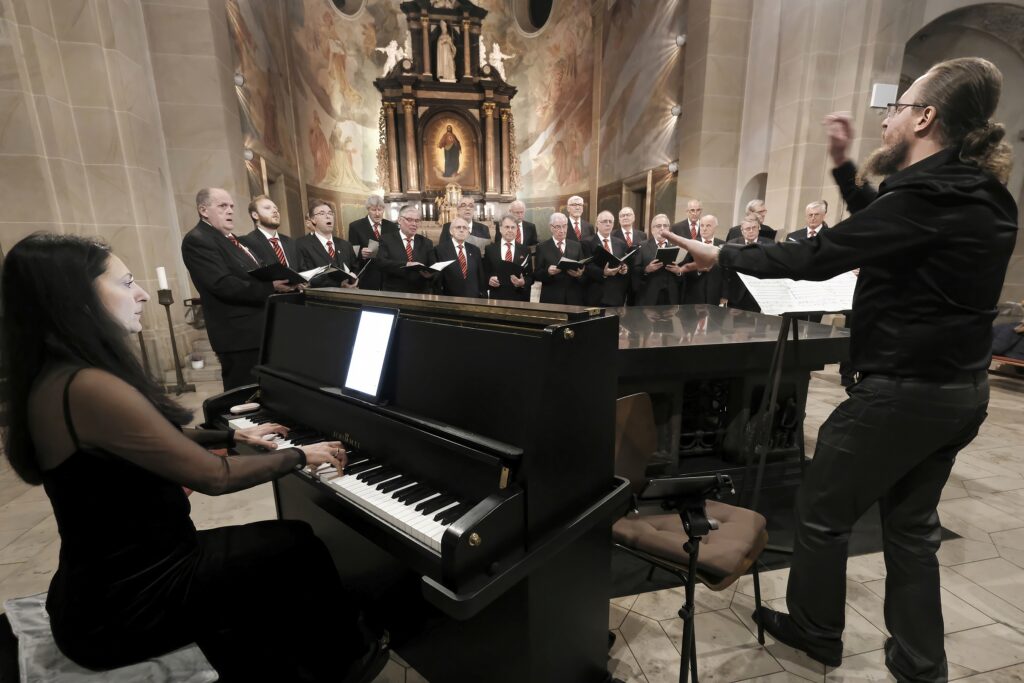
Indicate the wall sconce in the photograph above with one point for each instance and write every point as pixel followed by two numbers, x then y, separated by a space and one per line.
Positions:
pixel 676 110
pixel 247 155
pixel 673 167
pixel 681 40
pixel 239 79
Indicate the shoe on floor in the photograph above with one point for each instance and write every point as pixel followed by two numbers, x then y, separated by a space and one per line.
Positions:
pixel 782 629
pixel 366 668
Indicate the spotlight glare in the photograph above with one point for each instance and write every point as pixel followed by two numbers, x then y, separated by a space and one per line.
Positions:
pixel 247 154
pixel 673 167
pixel 239 79
pixel 681 40
pixel 676 110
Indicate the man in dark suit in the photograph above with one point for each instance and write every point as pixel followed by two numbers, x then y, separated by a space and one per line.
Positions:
pixel 656 283
pixel 233 300
pixel 760 211
pixel 403 247
pixel 704 286
pixel 465 209
pixel 627 229
pixel 322 247
pixel 815 213
pixel 501 283
pixel 577 228
pixel 361 232
pixel 691 226
pixel 265 241
pixel 735 292
pixel 465 277
pixel 559 286
pixel 607 285
pixel 526 232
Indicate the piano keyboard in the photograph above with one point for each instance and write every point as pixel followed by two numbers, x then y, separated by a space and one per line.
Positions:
pixel 416 508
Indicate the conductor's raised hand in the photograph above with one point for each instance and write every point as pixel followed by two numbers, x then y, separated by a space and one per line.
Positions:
pixel 330 452
pixel 839 129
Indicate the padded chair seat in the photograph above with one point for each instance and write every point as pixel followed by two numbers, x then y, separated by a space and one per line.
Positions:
pixel 725 554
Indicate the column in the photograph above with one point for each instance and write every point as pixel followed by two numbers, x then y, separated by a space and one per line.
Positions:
pixel 488 109
pixel 412 168
pixel 394 179
pixel 506 152
pixel 467 51
pixel 425 24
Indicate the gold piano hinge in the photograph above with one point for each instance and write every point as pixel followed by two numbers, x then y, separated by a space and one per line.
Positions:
pixel 503 481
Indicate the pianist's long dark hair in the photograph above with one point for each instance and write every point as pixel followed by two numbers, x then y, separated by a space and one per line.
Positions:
pixel 51 312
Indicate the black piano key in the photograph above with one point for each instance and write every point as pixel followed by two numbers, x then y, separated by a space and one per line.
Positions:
pixel 378 476
pixel 451 514
pixel 425 492
pixel 361 466
pixel 389 486
pixel 404 495
pixel 431 506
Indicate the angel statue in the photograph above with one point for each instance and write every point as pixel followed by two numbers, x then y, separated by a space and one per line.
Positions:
pixel 497 60
pixel 395 55
pixel 483 52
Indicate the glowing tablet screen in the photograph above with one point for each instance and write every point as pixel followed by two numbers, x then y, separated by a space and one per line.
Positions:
pixel 370 352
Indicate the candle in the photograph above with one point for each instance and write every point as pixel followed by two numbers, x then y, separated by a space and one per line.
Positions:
pixel 161 278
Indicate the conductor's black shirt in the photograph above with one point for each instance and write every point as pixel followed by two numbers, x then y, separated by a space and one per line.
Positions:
pixel 932 245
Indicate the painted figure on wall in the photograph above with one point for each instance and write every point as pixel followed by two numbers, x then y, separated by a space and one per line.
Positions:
pixel 341 172
pixel 445 55
pixel 452 152
pixel 318 148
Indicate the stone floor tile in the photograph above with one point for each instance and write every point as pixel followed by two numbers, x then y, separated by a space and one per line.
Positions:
pixel 796 663
pixel 870 567
pixel 867 604
pixel 726 649
pixel 867 666
pixel 961 550
pixel 622 664
pixel 997 576
pixel 626 601
pixel 773 584
pixel 986 648
pixel 979 514
pixel 393 673
pixel 996 484
pixel 655 653
pixel 1011 674
pixel 616 615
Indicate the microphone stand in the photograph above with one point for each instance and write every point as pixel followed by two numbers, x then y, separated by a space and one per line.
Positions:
pixel 166 298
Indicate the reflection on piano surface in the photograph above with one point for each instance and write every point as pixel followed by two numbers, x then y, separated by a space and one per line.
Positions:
pixel 488 474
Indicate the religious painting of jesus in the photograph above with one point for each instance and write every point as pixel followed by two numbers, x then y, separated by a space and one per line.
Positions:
pixel 450 149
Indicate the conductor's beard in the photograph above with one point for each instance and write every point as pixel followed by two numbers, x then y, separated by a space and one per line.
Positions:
pixel 885 160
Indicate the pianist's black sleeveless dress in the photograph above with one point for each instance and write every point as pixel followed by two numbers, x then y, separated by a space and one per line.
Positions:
pixel 136 580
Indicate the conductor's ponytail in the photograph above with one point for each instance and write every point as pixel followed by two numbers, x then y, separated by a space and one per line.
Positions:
pixel 985 148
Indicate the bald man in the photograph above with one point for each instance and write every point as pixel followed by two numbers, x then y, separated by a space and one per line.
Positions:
pixel 691 226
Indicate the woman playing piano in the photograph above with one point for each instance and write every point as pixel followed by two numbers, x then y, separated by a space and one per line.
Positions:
pixel 135 579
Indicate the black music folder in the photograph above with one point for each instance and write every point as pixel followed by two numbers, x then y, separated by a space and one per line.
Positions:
pixel 325 276
pixel 278 271
pixel 506 269
pixel 437 267
pixel 669 255
pixel 329 276
pixel 603 257
pixel 570 264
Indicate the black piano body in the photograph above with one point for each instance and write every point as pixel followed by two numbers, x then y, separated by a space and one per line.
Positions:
pixel 505 405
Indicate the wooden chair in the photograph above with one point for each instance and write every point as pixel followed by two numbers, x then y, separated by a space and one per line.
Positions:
pixel 707 540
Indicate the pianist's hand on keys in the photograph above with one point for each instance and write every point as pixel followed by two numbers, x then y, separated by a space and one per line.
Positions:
pixel 257 436
pixel 322 457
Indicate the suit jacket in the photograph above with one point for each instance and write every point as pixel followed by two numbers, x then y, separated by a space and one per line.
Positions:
pixel 701 287
pixel 801 234
pixel 360 233
pixel 766 232
pixel 494 255
pixel 601 290
pixel 559 288
pixel 649 286
pixel 682 228
pixel 477 230
pixel 391 260
pixel 733 288
pixel 529 234
pixel 233 300
pixel 261 247
pixel 638 237
pixel 450 279
pixel 586 228
pixel 313 255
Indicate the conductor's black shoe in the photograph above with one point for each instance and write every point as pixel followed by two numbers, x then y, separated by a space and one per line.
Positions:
pixel 782 629
pixel 366 668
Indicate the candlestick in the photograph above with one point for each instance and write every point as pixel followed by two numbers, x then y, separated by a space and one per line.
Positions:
pixel 166 298
pixel 161 278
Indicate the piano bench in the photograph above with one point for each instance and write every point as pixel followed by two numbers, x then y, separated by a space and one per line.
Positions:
pixel 40 660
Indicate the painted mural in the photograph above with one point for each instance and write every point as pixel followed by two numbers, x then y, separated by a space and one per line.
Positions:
pixel 309 99
pixel 640 82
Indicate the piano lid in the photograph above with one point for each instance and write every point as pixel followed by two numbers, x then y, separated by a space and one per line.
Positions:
pixel 456 307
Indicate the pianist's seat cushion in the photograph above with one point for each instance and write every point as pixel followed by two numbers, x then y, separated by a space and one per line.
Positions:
pixel 725 554
pixel 40 660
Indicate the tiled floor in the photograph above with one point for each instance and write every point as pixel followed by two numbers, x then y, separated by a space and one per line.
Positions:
pixel 982 573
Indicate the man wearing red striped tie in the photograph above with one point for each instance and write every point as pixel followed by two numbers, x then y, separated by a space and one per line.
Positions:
pixel 465 277
pixel 265 240
pixel 233 300
pixel 507 264
pixel 400 250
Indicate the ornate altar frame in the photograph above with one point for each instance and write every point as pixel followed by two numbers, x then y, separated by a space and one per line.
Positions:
pixel 415 103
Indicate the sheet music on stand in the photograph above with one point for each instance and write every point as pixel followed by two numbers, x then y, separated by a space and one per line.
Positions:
pixel 779 296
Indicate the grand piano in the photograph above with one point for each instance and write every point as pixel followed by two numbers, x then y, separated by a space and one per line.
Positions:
pixel 487 477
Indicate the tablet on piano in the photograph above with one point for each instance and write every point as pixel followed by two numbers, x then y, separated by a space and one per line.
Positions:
pixel 371 349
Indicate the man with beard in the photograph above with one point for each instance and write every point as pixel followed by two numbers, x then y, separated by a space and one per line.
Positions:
pixel 265 241
pixel 932 243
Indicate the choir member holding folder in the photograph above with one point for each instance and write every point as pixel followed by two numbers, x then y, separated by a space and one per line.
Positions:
pixel 560 265
pixel 405 257
pixel 607 274
pixel 365 235
pixel 657 274
pixel 507 264
pixel 322 249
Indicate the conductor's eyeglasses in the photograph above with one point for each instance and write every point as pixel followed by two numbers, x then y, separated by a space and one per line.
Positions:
pixel 894 108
